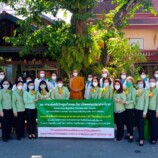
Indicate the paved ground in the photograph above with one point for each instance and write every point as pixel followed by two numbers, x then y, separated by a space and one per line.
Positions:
pixel 76 148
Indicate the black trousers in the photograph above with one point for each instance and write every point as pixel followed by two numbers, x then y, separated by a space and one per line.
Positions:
pixel 31 120
pixel 153 125
pixel 119 120
pixel 6 122
pixel 140 123
pixel 20 124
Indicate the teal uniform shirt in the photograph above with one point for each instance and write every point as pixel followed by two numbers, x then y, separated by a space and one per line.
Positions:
pixel 130 98
pixel 17 101
pixel 29 98
pixel 5 99
pixel 107 92
pixel 118 107
pixel 142 100
pixel 60 93
pixel 95 93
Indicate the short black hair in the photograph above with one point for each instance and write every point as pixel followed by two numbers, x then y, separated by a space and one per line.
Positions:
pixel 144 84
pixel 59 80
pixel 18 82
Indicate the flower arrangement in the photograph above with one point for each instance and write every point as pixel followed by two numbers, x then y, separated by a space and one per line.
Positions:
pixel 60 91
pixel 32 92
pixel 44 92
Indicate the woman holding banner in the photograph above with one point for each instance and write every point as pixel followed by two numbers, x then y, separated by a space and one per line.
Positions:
pixel 95 92
pixel 107 91
pixel 141 108
pixel 30 99
pixel 60 92
pixel 43 92
pixel 119 108
pixel 19 110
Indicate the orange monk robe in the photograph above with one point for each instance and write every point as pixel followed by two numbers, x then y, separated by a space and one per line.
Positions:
pixel 76 83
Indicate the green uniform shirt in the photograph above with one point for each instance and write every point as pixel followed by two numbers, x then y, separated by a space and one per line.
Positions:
pixel 60 93
pixel 5 99
pixel 43 96
pixel 29 98
pixel 130 98
pixel 107 93
pixel 17 101
pixel 142 100
pixel 153 99
pixel 118 107
pixel 95 93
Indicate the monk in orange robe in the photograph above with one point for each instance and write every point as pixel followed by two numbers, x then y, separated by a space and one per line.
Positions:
pixel 76 86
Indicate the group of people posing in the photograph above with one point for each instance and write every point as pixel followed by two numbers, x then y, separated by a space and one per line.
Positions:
pixel 133 101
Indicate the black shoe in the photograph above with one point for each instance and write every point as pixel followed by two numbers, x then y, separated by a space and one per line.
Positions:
pixel 34 136
pixel 127 137
pixel 141 144
pixel 118 139
pixel 130 140
pixel 153 142
pixel 30 136
pixel 18 138
pixel 5 140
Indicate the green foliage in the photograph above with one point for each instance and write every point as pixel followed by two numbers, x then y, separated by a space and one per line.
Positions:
pixel 78 45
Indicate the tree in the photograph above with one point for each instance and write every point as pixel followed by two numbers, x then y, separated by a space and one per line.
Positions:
pixel 76 45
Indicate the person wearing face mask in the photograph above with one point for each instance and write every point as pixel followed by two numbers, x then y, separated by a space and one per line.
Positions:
pixel 18 78
pixel 141 108
pixel 41 78
pixel 130 103
pixel 76 85
pixel 6 112
pixel 123 79
pixel 153 111
pixel 43 92
pixel 119 98
pixel 19 110
pixel 30 100
pixel 2 77
pixel 60 92
pixel 88 86
pixel 144 77
pixel 107 91
pixel 156 77
pixel 27 80
pixel 95 92
pixel 52 84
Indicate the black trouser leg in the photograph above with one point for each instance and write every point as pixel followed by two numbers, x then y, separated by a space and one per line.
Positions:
pixel 31 120
pixel 130 121
pixel 6 121
pixel 140 123
pixel 19 124
pixel 119 118
pixel 153 129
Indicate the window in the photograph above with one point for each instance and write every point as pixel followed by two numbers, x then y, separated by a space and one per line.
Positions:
pixel 139 41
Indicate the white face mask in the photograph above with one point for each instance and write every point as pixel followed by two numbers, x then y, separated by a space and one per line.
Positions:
pixel 28 81
pixel 140 85
pixel 152 84
pixel 54 77
pixel 60 85
pixel 142 76
pixel 19 87
pixel 106 84
pixel 75 74
pixel 123 77
pixel 104 75
pixel 42 75
pixel 5 86
pixel 95 84
pixel 2 77
pixel 156 75
pixel 89 79
pixel 31 87
pixel 117 87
